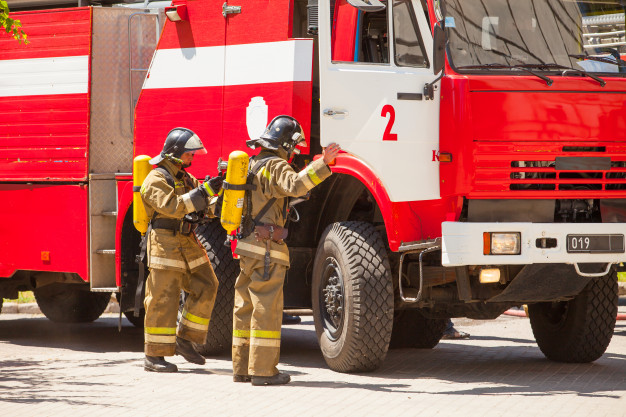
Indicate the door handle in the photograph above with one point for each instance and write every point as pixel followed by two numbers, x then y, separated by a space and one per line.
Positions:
pixel 333 112
pixel 226 9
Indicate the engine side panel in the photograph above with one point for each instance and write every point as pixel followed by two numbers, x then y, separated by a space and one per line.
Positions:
pixel 44 228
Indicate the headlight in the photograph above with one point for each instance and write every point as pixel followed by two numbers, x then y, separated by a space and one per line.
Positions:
pixel 502 243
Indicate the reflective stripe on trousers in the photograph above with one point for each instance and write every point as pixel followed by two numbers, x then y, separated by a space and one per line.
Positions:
pixel 257 318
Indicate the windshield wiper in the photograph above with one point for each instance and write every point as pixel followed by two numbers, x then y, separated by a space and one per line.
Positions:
pixel 567 69
pixel 548 80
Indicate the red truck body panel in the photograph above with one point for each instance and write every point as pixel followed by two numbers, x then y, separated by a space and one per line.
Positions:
pixel 490 123
pixel 44 104
pixel 215 107
pixel 54 239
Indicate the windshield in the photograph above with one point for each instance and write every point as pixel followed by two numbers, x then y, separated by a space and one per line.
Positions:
pixel 515 34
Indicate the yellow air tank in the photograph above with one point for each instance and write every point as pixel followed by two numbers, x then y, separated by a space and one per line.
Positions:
pixel 141 169
pixel 236 174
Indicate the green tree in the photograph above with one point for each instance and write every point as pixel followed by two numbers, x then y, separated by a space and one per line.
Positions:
pixel 11 26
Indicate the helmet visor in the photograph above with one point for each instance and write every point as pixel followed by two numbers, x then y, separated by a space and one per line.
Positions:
pixel 299 139
pixel 194 144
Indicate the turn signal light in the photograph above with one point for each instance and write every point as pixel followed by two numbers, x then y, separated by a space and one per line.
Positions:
pixel 445 157
pixel 502 243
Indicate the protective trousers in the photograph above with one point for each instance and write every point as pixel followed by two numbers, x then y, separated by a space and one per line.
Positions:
pixel 257 318
pixel 163 288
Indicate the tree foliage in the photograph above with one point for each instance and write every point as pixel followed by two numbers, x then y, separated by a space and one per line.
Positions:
pixel 11 26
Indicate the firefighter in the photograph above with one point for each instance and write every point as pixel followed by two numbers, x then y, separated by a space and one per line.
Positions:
pixel 174 202
pixel 264 257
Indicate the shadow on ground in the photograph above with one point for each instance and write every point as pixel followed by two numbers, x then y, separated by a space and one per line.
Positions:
pixel 100 336
pixel 481 365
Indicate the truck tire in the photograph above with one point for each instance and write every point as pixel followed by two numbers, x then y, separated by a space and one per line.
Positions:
pixel 219 338
pixel 412 330
pixel 130 315
pixel 578 330
pixel 136 321
pixel 352 297
pixel 71 303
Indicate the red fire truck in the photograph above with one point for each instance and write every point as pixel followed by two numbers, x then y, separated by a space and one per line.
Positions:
pixel 484 163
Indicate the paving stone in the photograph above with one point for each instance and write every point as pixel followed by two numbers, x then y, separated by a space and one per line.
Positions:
pixel 92 370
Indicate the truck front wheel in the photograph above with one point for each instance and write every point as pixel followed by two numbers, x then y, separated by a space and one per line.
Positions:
pixel 71 303
pixel 352 297
pixel 578 330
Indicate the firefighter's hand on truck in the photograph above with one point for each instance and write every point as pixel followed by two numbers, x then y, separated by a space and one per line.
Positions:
pixel 330 153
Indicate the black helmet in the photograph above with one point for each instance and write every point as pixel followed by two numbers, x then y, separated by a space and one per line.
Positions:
pixel 179 141
pixel 282 131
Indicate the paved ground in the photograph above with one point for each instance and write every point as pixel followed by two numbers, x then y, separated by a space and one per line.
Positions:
pixel 49 369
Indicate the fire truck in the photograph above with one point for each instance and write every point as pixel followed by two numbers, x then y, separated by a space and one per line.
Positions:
pixel 483 163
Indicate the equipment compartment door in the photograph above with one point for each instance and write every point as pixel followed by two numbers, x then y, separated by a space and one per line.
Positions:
pixel 267 73
pixel 185 84
pixel 373 68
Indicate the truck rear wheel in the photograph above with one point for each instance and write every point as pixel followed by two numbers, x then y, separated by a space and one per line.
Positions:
pixel 412 330
pixel 71 303
pixel 219 338
pixel 352 297
pixel 136 321
pixel 578 330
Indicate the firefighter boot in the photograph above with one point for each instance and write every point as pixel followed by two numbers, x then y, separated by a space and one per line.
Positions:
pixel 241 378
pixel 278 379
pixel 158 364
pixel 185 349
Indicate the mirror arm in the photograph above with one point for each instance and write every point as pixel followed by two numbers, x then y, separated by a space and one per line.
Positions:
pixel 429 89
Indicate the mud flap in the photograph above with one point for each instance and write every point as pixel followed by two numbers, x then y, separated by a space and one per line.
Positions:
pixel 543 282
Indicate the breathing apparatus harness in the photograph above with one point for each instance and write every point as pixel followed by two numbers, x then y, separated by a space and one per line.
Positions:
pixel 186 226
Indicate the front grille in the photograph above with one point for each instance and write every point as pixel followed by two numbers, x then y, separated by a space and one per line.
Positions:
pixel 592 171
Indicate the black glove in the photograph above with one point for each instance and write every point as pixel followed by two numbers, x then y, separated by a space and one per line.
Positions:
pixel 202 190
pixel 214 184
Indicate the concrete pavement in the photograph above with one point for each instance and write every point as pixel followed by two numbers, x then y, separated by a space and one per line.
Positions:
pixel 90 369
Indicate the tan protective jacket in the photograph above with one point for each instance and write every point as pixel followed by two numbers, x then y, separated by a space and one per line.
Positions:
pixel 277 179
pixel 168 249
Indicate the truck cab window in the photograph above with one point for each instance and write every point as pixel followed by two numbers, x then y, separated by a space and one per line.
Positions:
pixel 358 36
pixel 374 45
pixel 408 46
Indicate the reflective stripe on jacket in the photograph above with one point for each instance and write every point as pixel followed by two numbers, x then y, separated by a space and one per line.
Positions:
pixel 168 249
pixel 277 179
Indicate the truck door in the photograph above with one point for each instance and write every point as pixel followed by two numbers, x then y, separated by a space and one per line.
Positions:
pixel 373 67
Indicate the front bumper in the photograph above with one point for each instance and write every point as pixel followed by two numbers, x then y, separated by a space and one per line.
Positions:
pixel 462 243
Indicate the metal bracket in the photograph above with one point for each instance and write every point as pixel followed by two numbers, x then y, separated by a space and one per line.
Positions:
pixel 226 9
pixel 593 275
pixel 419 292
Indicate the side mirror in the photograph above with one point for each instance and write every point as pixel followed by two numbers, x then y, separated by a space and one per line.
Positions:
pixel 439 49
pixel 368 5
pixel 177 13
pixel 312 17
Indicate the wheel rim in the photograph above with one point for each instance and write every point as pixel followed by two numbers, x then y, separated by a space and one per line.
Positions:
pixel 556 313
pixel 332 297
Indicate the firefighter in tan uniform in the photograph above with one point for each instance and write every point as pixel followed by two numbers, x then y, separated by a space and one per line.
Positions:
pixel 173 199
pixel 264 257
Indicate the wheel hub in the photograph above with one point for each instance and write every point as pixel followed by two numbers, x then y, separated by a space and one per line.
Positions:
pixel 333 295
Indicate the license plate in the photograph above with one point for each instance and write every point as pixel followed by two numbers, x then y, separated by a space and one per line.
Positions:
pixel 595 243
